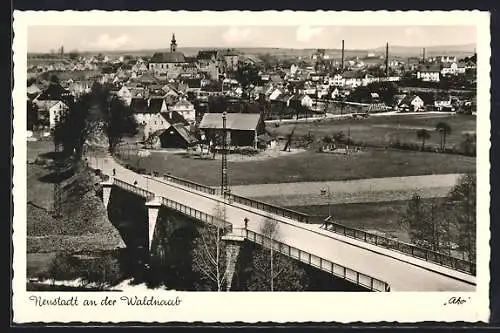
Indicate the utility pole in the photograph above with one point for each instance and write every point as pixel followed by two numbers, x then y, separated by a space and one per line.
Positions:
pixel 224 181
pixel 56 199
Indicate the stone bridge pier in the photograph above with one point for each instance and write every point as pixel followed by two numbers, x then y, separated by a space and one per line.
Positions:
pixel 107 185
pixel 153 206
pixel 234 241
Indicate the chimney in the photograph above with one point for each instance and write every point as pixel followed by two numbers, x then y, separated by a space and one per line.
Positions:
pixel 387 59
pixel 423 55
pixel 342 61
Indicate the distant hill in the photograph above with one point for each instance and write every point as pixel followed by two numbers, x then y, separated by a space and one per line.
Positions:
pixel 394 51
pixel 459 50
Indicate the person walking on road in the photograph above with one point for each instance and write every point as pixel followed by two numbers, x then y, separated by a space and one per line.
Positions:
pixel 114 172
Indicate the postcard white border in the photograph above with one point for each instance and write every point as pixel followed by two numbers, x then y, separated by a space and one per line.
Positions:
pixel 257 306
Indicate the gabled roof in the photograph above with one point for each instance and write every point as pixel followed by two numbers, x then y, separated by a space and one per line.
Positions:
pixel 207 55
pixel 173 117
pixel 430 68
pixel 235 121
pixel 47 104
pixel 139 105
pixel 352 75
pixel 168 57
pixel 184 133
pixel 408 99
pixel 193 83
pixel 147 78
pixel 155 105
pixel 183 102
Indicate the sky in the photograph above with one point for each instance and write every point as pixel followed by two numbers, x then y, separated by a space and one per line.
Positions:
pixel 130 38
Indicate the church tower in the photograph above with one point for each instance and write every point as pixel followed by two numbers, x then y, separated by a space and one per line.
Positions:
pixel 173 44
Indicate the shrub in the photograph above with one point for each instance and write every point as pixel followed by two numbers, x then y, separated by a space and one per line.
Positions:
pixel 247 151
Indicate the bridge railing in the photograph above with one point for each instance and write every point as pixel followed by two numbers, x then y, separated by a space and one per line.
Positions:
pixel 343 272
pixel 194 213
pixel 186 210
pixel 134 189
pixel 408 249
pixel 288 213
pixel 190 184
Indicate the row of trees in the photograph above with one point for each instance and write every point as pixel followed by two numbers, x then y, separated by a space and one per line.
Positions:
pixel 445 225
pixel 467 146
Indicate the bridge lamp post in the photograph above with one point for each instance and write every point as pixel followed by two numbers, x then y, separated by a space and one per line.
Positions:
pixel 325 191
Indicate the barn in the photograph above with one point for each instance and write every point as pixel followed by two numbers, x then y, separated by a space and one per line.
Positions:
pixel 243 129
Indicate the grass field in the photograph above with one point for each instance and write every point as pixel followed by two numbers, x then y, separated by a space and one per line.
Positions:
pixel 379 217
pixel 381 130
pixel 309 166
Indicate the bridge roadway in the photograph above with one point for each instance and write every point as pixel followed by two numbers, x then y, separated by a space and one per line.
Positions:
pixel 400 271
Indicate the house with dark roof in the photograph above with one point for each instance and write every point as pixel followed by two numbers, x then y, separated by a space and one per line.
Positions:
pixel 153 115
pixel 55 92
pixel 429 72
pixel 243 129
pixel 411 103
pixel 174 136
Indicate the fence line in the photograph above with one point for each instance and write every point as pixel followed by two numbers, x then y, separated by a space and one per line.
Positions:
pixel 408 249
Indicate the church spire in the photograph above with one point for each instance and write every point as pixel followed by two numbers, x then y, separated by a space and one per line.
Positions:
pixel 173 44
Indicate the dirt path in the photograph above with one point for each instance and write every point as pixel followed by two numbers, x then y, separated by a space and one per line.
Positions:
pixel 351 191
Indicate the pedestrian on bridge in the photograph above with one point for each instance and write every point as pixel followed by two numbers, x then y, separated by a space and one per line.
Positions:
pixel 246 222
pixel 114 172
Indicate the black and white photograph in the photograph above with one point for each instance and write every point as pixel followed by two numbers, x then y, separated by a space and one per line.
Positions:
pixel 167 162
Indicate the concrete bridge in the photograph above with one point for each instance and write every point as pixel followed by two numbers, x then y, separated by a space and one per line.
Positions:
pixel 370 266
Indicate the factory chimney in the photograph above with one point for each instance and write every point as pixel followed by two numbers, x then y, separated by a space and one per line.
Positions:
pixel 423 55
pixel 342 61
pixel 387 59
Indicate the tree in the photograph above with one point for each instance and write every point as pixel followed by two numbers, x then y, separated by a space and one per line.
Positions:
pixel 414 221
pixel 327 140
pixel 54 78
pixel 73 55
pixel 270 270
pixel 339 137
pixel 209 253
pixel 444 130
pixel 469 144
pixel 423 135
pixel 462 199
pixel 118 117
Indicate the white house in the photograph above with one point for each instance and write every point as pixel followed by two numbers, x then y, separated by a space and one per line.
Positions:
pixel 53 108
pixel 443 104
pixel 429 73
pixel 449 68
pixel 337 80
pixel 412 103
pixel 185 109
pixel 274 94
